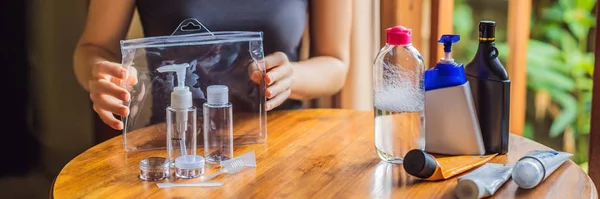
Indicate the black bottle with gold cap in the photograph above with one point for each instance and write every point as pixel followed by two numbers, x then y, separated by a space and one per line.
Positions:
pixel 490 87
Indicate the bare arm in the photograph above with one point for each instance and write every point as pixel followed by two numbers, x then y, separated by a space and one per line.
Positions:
pixel 107 23
pixel 325 73
pixel 97 55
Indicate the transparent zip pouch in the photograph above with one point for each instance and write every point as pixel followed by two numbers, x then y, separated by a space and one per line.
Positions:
pixel 230 58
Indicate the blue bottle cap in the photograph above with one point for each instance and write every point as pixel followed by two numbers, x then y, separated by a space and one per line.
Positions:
pixel 448 40
pixel 446 73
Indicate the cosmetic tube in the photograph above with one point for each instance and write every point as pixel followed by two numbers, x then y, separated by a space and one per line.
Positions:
pixel 423 165
pixel 483 181
pixel 536 166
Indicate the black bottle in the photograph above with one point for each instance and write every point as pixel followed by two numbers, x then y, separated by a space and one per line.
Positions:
pixel 490 87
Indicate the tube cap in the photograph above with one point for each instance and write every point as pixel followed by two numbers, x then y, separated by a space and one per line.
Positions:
pixel 469 189
pixel 528 173
pixel 398 35
pixel 419 163
pixel 189 162
pixel 217 94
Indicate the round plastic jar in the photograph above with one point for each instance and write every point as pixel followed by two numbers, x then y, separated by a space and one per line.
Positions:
pixel 154 168
pixel 189 166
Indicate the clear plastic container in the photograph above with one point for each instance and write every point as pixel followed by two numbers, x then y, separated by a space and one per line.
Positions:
pixel 218 125
pixel 154 169
pixel 189 166
pixel 399 101
pixel 181 134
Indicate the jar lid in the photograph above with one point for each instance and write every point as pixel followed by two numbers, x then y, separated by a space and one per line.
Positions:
pixel 189 162
pixel 152 163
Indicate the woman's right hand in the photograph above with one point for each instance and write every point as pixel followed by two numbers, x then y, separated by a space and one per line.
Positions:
pixel 107 94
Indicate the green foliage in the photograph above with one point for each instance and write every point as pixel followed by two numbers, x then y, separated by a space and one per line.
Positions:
pixel 568 113
pixel 560 63
pixel 528 131
pixel 463 51
pixel 584 167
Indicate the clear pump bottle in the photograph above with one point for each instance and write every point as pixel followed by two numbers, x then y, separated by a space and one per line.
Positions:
pixel 181 117
pixel 218 125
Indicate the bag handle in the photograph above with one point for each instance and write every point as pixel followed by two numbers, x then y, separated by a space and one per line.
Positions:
pixel 190 25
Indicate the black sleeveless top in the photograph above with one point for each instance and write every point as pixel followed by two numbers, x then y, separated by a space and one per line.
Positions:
pixel 281 21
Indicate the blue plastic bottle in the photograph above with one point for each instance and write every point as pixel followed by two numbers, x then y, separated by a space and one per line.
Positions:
pixel 452 127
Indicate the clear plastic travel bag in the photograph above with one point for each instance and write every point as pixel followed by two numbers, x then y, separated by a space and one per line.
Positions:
pixel 231 58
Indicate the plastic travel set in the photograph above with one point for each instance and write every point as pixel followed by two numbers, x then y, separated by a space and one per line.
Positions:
pixel 229 58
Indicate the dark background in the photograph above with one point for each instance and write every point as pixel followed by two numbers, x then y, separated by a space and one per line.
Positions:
pixel 18 143
pixel 47 118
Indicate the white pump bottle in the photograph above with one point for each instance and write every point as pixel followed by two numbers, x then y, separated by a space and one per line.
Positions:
pixel 181 116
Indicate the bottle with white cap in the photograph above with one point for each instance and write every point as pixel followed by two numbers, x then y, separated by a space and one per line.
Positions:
pixel 181 116
pixel 218 125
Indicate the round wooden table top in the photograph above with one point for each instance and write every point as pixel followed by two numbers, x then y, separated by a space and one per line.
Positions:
pixel 322 153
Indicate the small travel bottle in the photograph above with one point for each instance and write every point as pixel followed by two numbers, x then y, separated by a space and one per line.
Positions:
pixel 218 125
pixel 181 117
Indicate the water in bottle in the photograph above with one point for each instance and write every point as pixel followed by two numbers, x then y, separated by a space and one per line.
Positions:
pixel 398 97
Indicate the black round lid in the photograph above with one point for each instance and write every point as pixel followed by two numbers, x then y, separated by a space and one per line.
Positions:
pixel 486 29
pixel 419 163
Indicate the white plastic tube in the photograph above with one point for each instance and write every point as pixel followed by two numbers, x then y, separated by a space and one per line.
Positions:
pixel 536 166
pixel 483 181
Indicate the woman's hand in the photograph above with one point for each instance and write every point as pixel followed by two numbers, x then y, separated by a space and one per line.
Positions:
pixel 278 79
pixel 107 94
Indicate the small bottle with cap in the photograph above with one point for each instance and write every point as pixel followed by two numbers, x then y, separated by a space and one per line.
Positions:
pixel 181 117
pixel 218 125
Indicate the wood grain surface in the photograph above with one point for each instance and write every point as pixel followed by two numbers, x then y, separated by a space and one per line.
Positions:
pixel 321 153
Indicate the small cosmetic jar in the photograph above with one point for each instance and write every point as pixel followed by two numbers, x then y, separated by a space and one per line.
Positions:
pixel 154 168
pixel 189 166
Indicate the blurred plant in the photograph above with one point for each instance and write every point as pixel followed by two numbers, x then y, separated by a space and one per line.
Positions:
pixel 464 26
pixel 560 65
pixel 560 71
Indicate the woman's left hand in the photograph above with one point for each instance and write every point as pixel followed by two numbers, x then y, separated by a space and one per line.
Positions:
pixel 278 79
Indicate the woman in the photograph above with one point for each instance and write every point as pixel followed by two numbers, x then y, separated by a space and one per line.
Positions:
pixel 97 56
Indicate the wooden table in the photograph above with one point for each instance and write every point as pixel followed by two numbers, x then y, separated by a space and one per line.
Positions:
pixel 309 154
